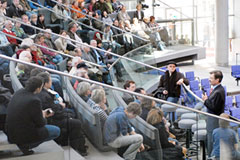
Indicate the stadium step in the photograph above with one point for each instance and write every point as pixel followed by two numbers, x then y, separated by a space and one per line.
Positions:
pixel 42 152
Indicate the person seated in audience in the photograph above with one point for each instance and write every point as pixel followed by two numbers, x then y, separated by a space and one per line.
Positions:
pixel 26 7
pixel 155 28
pixel 22 70
pixel 86 55
pixel 115 29
pixel 155 118
pixel 15 9
pixel 91 6
pixel 52 56
pixel 40 22
pixel 117 6
pixel 146 104
pixel 8 30
pixel 48 39
pixel 97 23
pixel 83 90
pixel 101 6
pixel 83 8
pixel 110 7
pixel 5 46
pixel 17 29
pixel 118 131
pixel 145 25
pixel 57 14
pixel 82 71
pixel 136 28
pixel 56 80
pixel 63 118
pixel 128 26
pixel 139 14
pixel 138 98
pixel 72 29
pixel 26 124
pixel 77 10
pixel 66 10
pixel 61 43
pixel 34 22
pixel 109 59
pixel 99 59
pixel 3 12
pixel 75 62
pixel 130 86
pixel 27 29
pixel 227 137
pixel 123 15
pixel 98 96
pixel 106 19
pixel 37 54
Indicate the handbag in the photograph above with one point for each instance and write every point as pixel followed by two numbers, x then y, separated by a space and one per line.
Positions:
pixel 159 94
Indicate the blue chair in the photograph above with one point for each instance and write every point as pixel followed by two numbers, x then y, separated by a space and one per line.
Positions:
pixel 236 114
pixel 205 83
pixel 190 75
pixel 229 102
pixel 194 85
pixel 236 72
pixel 199 93
pixel 237 99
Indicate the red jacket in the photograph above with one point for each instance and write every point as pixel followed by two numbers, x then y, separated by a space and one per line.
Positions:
pixel 10 39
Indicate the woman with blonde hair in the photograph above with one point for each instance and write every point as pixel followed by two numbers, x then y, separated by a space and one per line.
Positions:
pixel 170 150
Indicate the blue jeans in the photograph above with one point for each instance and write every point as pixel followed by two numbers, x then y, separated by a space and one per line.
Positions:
pixel 172 99
pixel 53 133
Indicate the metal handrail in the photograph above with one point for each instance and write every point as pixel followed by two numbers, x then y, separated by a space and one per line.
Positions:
pixel 116 88
pixel 53 50
pixel 111 53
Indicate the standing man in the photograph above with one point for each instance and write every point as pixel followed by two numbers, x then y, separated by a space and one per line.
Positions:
pixel 171 81
pixel 26 123
pixel 215 104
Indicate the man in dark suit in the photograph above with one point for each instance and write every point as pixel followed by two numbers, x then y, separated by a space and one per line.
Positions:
pixel 139 14
pixel 215 104
pixel 26 123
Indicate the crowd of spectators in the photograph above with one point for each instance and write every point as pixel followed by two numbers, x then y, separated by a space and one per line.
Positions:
pixel 108 34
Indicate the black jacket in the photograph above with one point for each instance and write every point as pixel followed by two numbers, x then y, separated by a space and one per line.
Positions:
pixel 25 122
pixel 163 135
pixel 92 52
pixel 216 101
pixel 12 11
pixel 169 83
pixel 135 15
pixel 60 114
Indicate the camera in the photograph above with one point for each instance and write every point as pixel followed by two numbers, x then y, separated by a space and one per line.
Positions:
pixel 144 6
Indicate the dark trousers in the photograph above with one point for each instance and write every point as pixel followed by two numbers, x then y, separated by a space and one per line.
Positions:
pixel 71 130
